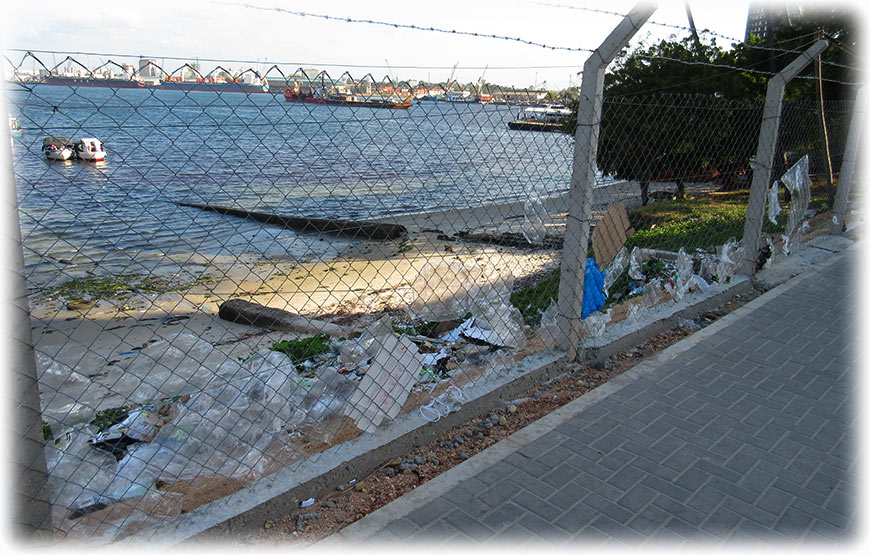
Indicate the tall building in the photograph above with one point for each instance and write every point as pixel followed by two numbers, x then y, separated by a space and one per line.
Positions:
pixel 766 17
pixel 148 68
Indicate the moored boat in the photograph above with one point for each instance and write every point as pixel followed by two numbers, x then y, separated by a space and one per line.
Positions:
pixel 90 150
pixel 112 82
pixel 15 127
pixel 57 148
pixel 461 97
pixel 349 100
pixel 213 86
pixel 540 118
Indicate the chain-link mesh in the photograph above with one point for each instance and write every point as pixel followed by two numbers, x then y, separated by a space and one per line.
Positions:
pixel 267 266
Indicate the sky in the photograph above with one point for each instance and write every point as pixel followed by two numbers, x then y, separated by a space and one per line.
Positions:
pixel 255 32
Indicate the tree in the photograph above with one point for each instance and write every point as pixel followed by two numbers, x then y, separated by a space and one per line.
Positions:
pixel 650 133
pixel 683 110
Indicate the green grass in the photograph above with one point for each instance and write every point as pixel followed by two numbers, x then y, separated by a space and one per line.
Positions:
pixel 303 349
pixel 533 300
pixel 109 417
pixel 704 223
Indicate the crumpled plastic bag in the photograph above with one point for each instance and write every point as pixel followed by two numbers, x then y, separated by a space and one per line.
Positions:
pixel 535 218
pixel 635 266
pixel 594 324
pixel 499 324
pixel 615 269
pixel 773 207
pixel 355 353
pixel 797 181
pixel 448 290
pixel 180 364
pixel 684 267
pixel 730 255
pixel 550 332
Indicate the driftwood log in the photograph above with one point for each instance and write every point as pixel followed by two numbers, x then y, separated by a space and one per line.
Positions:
pixel 353 229
pixel 245 312
pixel 510 239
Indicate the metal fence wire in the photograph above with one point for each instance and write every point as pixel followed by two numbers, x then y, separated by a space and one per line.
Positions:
pixel 263 269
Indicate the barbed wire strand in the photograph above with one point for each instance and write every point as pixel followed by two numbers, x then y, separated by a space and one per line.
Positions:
pixel 705 32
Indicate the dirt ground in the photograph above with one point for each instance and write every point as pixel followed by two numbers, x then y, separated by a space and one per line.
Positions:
pixel 350 502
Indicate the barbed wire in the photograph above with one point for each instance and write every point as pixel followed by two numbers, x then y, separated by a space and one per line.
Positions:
pixel 416 28
pixel 707 32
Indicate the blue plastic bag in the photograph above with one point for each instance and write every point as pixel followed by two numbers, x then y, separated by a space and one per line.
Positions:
pixel 593 288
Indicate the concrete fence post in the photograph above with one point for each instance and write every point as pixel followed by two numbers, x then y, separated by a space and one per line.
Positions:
pixel 764 155
pixel 570 301
pixel 29 500
pixel 847 169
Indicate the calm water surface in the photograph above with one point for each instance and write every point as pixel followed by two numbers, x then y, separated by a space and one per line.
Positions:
pixel 255 152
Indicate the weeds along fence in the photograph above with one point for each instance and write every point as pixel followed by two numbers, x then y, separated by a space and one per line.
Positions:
pixel 264 269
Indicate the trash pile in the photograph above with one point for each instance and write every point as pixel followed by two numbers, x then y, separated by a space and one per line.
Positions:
pixel 180 409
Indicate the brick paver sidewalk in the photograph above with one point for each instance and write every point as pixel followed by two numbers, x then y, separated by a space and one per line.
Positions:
pixel 744 431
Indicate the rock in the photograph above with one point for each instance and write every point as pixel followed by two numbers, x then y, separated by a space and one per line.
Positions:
pixel 458 440
pixel 463 456
pixel 502 421
pixel 359 486
pixel 420 460
pixel 479 435
pixel 469 432
pixel 512 409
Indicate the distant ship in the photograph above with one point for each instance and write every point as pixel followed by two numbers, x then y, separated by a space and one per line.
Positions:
pixel 213 86
pixel 112 82
pixel 178 85
pixel 350 100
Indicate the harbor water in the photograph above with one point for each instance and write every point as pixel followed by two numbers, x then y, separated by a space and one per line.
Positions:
pixel 252 152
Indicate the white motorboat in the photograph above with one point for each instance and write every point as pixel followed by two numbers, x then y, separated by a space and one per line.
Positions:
pixel 90 150
pixel 57 148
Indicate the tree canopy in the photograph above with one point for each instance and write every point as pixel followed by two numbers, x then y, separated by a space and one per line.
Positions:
pixel 685 109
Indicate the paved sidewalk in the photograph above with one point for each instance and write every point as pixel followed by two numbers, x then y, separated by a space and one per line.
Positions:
pixel 743 431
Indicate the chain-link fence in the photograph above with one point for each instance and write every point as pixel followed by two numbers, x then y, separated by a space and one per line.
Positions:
pixel 229 274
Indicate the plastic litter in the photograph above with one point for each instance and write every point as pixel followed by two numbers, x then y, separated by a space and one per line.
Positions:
pixel 797 181
pixel 535 217
pixel 499 324
pixel 550 332
pixel 615 269
pixel 307 502
pixel 653 293
pixel 448 290
pixel 635 269
pixel 730 255
pixel 387 383
pixel 443 404
pixel 593 288
pixel 180 364
pixel 595 323
pixel 683 267
pixel 773 208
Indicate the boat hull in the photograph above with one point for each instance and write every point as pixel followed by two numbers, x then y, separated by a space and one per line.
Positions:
pixel 212 87
pixel 361 103
pixel 520 125
pixel 91 156
pixel 88 82
pixel 60 155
